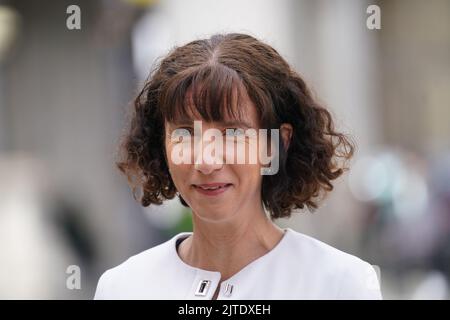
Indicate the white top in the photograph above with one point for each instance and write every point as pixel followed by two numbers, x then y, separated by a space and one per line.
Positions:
pixel 298 267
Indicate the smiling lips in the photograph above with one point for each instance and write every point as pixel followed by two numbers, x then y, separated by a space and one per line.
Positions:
pixel 212 189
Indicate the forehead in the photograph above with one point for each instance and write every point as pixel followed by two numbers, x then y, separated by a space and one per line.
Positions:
pixel 211 93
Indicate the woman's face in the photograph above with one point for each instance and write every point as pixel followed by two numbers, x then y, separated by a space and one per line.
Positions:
pixel 216 187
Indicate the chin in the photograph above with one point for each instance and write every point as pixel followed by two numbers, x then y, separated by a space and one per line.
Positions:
pixel 213 215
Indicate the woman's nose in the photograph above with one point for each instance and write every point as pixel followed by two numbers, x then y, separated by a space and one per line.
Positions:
pixel 208 157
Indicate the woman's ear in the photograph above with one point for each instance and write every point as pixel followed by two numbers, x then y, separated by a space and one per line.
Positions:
pixel 286 131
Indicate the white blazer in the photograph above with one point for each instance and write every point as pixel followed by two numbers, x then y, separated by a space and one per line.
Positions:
pixel 298 267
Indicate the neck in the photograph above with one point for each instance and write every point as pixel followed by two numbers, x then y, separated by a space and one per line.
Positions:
pixel 229 246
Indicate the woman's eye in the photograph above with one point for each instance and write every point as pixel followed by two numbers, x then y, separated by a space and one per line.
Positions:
pixel 234 132
pixel 181 132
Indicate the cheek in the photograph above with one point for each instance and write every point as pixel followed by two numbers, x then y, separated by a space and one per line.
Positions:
pixel 249 175
pixel 180 177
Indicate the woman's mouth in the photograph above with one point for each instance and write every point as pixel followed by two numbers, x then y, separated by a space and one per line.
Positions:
pixel 212 189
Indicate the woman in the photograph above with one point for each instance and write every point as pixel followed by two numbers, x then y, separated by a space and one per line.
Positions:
pixel 234 85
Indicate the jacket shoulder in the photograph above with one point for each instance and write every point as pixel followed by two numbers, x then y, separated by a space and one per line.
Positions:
pixel 135 269
pixel 350 276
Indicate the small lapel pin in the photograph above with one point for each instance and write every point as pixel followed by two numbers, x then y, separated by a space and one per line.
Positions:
pixel 203 288
pixel 228 290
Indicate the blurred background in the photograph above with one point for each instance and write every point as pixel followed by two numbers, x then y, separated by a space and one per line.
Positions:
pixel 64 99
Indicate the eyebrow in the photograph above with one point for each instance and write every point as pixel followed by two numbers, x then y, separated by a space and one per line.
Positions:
pixel 232 123
pixel 237 124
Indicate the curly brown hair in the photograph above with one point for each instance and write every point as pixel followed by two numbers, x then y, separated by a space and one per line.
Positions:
pixel 214 67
